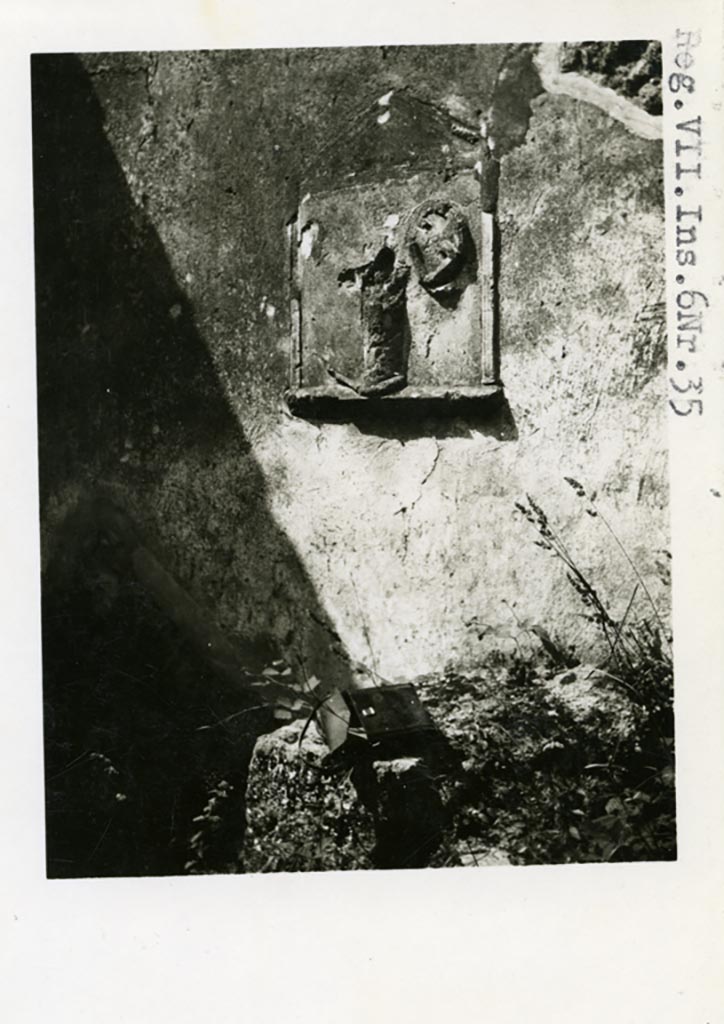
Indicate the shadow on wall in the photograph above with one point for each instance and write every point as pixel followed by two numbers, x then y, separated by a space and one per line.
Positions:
pixel 412 424
pixel 135 732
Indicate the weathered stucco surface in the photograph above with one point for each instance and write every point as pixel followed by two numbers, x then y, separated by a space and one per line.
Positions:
pixel 165 381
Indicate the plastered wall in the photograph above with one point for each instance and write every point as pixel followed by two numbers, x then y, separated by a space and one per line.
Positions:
pixel 166 183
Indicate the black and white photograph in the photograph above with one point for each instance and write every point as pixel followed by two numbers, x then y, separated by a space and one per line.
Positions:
pixel 362 533
pixel 355 528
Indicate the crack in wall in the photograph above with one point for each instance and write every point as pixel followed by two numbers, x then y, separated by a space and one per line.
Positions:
pixel 407 509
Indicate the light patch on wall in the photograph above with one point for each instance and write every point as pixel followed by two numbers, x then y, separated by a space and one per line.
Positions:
pixel 310 233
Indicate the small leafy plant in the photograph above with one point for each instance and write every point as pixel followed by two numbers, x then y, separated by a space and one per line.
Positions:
pixel 637 817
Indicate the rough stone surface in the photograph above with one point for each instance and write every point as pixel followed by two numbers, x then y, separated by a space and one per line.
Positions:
pixel 166 183
pixel 297 819
pixel 284 745
pixel 403 797
pixel 301 818
pixel 632 68
pixel 594 699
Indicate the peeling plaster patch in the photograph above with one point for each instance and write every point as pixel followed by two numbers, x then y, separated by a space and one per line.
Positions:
pixel 391 223
pixel 458 107
pixel 310 233
pixel 638 121
pixel 505 123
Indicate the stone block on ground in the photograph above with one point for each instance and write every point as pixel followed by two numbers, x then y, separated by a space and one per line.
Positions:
pixel 300 818
pixel 593 698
